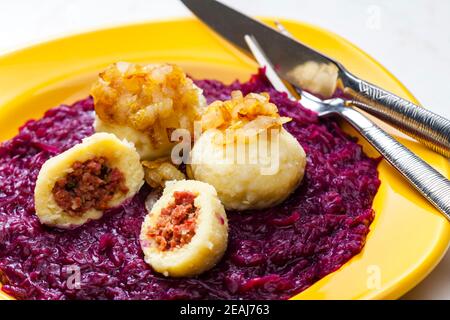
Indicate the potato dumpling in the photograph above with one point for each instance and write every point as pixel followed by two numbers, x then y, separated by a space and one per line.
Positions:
pixel 186 231
pixel 145 104
pixel 248 157
pixel 79 184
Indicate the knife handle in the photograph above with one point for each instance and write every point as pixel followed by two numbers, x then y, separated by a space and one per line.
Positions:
pixel 423 125
pixel 430 183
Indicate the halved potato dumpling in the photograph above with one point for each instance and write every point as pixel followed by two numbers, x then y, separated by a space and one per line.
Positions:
pixel 79 184
pixel 186 232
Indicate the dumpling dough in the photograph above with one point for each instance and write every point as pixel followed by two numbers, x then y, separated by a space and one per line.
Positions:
pixel 120 155
pixel 246 186
pixel 206 241
pixel 251 177
pixel 141 140
pixel 145 104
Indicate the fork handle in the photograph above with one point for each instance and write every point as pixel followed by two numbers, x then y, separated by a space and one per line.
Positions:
pixel 430 183
pixel 423 125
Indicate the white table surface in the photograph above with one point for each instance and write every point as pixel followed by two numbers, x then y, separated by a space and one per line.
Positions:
pixel 409 37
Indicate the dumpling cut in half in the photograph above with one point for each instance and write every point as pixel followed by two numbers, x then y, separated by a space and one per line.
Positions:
pixel 246 154
pixel 79 184
pixel 145 104
pixel 186 232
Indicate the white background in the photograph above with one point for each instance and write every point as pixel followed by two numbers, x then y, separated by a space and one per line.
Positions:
pixel 409 37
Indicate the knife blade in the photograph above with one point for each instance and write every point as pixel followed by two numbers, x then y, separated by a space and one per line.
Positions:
pixel 316 73
pixel 285 53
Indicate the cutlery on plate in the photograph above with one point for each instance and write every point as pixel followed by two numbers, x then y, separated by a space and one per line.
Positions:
pixel 430 183
pixel 322 76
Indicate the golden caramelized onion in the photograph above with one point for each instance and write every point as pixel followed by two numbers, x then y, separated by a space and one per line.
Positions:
pixel 253 112
pixel 159 171
pixel 145 103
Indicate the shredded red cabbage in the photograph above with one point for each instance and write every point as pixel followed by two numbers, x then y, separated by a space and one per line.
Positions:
pixel 272 254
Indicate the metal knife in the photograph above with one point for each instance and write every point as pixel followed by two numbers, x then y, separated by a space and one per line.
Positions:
pixel 430 183
pixel 322 76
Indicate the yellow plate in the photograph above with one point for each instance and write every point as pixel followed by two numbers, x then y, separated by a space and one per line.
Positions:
pixel 408 236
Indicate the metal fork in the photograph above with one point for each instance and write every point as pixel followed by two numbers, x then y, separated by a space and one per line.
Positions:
pixel 430 183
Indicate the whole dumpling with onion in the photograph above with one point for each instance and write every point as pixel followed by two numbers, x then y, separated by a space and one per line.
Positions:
pixel 79 184
pixel 144 104
pixel 246 154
